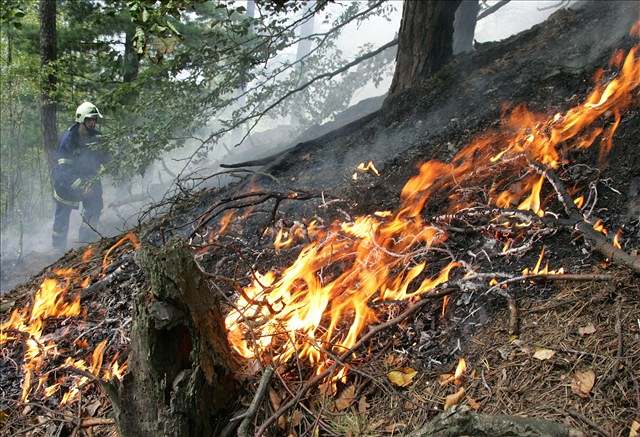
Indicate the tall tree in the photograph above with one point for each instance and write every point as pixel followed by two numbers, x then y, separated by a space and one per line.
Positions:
pixel 425 41
pixel 48 55
pixel 465 26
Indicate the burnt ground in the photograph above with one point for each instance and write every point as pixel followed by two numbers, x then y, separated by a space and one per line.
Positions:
pixel 549 68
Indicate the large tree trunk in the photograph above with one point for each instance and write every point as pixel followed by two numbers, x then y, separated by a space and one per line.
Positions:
pixel 464 26
pixel 180 379
pixel 425 41
pixel 48 55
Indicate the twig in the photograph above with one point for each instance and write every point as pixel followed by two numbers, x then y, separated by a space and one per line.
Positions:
pixel 96 421
pixel 588 421
pixel 243 429
pixel 620 352
pixel 514 330
pixel 347 354
pixel 491 9
pixel 599 241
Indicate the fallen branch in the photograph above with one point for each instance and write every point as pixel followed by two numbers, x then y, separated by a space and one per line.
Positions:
pixel 347 354
pixel 620 350
pixel 588 421
pixel 465 422
pixel 243 429
pixel 96 421
pixel 599 241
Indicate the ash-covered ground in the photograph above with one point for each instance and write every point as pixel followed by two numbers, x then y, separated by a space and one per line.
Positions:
pixel 549 68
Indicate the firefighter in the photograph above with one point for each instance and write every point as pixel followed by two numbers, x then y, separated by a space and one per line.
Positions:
pixel 75 177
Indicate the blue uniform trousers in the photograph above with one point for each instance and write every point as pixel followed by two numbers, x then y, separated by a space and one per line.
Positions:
pixel 91 209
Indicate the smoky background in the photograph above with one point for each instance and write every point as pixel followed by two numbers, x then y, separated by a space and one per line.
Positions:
pixel 25 237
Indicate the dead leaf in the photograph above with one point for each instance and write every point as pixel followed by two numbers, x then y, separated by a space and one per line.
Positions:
pixel 362 405
pixel 92 408
pixel 586 330
pixel 282 422
pixel 392 360
pixel 402 377
pixel 445 378
pixel 296 418
pixel 346 398
pixel 327 388
pixel 634 431
pixel 274 397
pixel 454 399
pixel 544 354
pixel 582 382
pixel 473 403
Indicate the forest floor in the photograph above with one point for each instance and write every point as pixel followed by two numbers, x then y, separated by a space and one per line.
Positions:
pixel 567 351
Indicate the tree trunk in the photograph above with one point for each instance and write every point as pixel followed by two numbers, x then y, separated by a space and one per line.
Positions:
pixel 304 46
pixel 48 55
pixel 180 380
pixel 131 59
pixel 425 41
pixel 464 26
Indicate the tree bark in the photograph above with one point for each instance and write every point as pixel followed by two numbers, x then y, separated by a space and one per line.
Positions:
pixel 180 379
pixel 464 26
pixel 48 55
pixel 425 41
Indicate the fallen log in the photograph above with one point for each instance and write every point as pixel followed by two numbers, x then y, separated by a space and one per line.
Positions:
pixel 464 422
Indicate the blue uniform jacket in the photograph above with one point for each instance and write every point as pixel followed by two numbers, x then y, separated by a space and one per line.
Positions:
pixel 76 164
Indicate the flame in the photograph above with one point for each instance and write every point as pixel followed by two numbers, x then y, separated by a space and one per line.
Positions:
pixel 364 168
pixel 88 253
pixel 544 271
pixel 128 238
pixel 320 303
pixel 599 226
pixel 532 203
pixel 579 202
pixel 616 239
pixel 53 299
pixel 460 369
pixel 445 304
pixel 225 221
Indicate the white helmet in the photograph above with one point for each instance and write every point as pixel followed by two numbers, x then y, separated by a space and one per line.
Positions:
pixel 87 110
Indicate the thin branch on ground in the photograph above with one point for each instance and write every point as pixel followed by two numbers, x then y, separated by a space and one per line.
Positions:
pixel 243 429
pixel 600 243
pixel 345 356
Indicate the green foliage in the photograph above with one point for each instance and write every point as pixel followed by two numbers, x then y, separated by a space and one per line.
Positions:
pixel 166 72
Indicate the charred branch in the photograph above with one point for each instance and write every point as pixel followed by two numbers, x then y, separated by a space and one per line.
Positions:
pixel 598 240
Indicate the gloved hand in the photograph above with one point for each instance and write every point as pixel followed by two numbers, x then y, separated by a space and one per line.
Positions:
pixel 82 186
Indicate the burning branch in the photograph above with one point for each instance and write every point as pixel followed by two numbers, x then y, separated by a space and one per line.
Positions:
pixel 577 221
pixel 345 356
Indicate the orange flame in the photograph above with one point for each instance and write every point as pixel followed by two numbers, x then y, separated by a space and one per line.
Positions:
pixel 364 168
pixel 88 253
pixel 321 302
pixel 460 369
pixel 599 226
pixel 579 201
pixel 544 271
pixel 128 238
pixel 616 239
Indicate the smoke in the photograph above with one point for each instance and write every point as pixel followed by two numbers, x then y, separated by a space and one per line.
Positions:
pixel 26 245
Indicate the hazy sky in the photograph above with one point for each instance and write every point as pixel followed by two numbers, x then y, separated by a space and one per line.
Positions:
pixel 515 17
